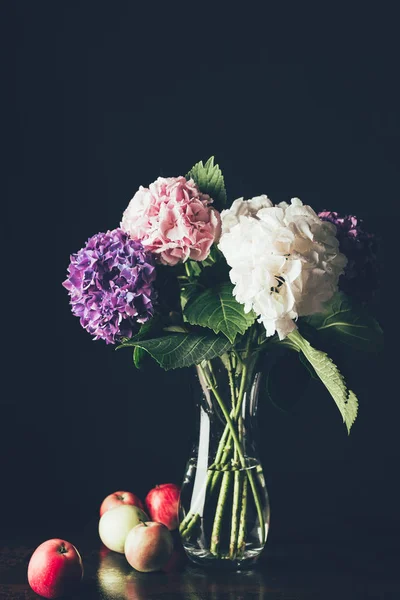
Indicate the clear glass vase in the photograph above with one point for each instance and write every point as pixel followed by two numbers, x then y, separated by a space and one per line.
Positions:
pixel 224 508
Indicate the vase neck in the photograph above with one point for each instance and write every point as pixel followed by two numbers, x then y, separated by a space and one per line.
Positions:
pixel 237 387
pixel 228 399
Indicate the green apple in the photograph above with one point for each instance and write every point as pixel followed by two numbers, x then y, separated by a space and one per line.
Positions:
pixel 115 525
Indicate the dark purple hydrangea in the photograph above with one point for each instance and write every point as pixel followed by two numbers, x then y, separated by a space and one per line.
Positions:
pixel 361 275
pixel 111 284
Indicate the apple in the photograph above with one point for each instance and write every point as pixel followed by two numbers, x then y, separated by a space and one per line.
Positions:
pixel 162 504
pixel 55 568
pixel 115 525
pixel 118 499
pixel 148 546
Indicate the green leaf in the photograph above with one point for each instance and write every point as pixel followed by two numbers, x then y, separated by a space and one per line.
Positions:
pixel 138 356
pixel 217 309
pixel 183 349
pixel 193 268
pixel 214 256
pixel 345 322
pixel 175 329
pixel 145 330
pixel 189 289
pixel 330 376
pixel 210 181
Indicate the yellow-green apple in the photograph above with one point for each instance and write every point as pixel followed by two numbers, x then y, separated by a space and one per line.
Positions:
pixel 55 568
pixel 162 504
pixel 115 525
pixel 148 546
pixel 118 499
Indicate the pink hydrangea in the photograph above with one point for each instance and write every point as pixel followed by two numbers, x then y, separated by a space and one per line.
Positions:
pixel 173 219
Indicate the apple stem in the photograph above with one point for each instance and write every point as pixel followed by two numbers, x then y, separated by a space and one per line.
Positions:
pixel 62 549
pixel 144 523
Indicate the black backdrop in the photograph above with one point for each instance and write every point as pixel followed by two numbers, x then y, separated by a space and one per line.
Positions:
pixel 103 98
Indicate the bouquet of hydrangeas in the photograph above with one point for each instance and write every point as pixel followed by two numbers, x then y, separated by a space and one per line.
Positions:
pixel 190 281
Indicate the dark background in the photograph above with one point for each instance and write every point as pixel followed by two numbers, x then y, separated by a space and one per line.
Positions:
pixel 102 97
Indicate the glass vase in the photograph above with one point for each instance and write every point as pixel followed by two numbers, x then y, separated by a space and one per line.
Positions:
pixel 224 507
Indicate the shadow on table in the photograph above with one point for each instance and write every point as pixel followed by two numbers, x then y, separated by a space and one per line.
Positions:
pixel 114 579
pixel 293 573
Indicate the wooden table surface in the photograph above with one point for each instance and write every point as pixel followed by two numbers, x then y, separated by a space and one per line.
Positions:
pixel 286 571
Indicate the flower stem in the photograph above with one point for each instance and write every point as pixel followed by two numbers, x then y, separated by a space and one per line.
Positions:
pixel 232 384
pixel 241 543
pixel 238 446
pixel 186 532
pixel 223 452
pixel 223 494
pixel 235 514
pixel 221 467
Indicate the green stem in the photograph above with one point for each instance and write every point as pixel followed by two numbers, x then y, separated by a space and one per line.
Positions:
pixel 186 532
pixel 215 536
pixel 235 515
pixel 213 477
pixel 223 494
pixel 241 529
pixel 225 484
pixel 236 441
pixel 222 456
pixel 241 543
pixel 237 475
pixel 232 383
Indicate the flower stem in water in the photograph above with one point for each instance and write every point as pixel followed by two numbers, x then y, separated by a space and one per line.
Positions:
pixel 223 494
pixel 241 543
pixel 242 460
pixel 235 514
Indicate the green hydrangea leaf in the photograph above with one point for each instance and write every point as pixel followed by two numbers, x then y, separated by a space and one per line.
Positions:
pixel 346 323
pixel 183 349
pixel 210 181
pixel 138 356
pixel 217 309
pixel 147 329
pixel 329 374
pixel 189 289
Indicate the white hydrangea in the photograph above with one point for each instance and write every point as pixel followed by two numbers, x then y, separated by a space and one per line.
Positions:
pixel 285 261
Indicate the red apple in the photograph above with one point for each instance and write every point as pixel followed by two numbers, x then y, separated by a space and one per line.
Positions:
pixel 55 568
pixel 162 504
pixel 148 546
pixel 119 498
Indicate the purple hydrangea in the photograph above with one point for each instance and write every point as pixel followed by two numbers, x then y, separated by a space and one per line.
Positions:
pixel 361 275
pixel 111 284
